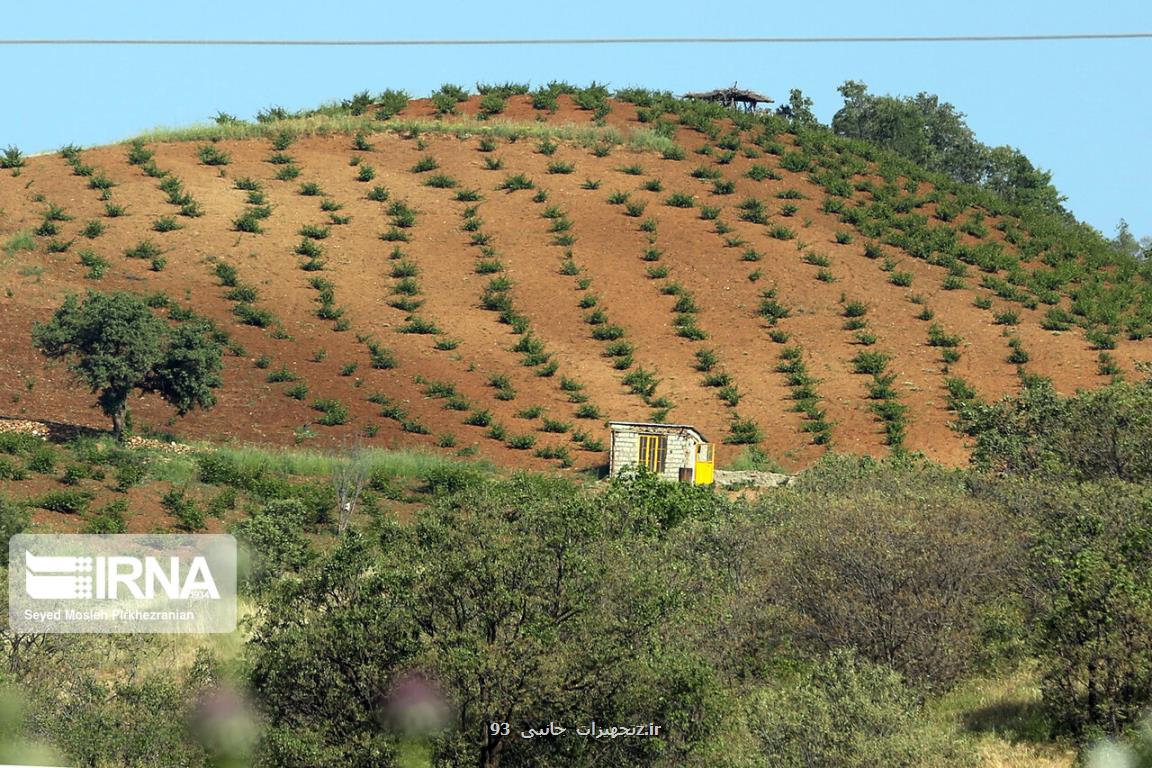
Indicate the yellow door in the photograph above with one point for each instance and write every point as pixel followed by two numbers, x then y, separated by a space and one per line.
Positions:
pixel 705 464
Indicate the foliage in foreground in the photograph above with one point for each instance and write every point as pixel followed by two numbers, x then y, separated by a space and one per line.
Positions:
pixel 806 627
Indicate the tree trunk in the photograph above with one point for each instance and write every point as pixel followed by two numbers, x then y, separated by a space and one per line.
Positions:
pixel 119 421
pixel 490 752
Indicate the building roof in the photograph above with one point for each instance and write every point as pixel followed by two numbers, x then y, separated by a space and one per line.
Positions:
pixel 643 424
pixel 730 94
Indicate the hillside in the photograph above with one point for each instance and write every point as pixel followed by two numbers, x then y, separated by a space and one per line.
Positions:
pixel 501 287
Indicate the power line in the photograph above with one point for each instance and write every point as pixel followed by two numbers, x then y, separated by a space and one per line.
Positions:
pixel 593 40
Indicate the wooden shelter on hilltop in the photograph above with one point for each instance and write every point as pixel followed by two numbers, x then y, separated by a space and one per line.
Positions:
pixel 736 98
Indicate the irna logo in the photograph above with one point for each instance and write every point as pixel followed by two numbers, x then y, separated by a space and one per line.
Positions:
pixel 55 577
pixel 122 583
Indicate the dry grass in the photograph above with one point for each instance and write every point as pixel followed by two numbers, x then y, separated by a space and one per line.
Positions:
pixel 1001 718
pixel 639 139
pixel 992 752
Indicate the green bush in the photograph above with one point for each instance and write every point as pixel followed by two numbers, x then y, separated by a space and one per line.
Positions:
pixel 14 519
pixel 274 538
pixel 187 512
pixel 844 712
pixel 11 158
pixel 212 155
pixel 390 103
pixel 492 104
pixel 516 182
pixel 69 502
pixel 1094 435
pixel 334 412
pixel 11 470
pixel 870 363
pixel 742 431
pixel 109 518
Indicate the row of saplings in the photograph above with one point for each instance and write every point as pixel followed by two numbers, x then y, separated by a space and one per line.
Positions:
pixel 807 628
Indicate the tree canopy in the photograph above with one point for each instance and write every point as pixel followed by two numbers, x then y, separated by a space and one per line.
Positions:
pixel 115 344
pixel 933 134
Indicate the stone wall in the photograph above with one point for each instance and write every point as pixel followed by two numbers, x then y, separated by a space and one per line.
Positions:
pixel 681 450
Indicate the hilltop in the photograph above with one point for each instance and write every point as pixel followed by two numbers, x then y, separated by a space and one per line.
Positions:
pixel 497 275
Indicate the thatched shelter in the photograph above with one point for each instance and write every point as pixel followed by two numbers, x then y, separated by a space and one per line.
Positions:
pixel 734 97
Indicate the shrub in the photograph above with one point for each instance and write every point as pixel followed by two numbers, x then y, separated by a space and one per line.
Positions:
pixel 873 363
pixel 588 411
pixel 68 502
pixel 314 231
pixel 1007 317
pixel 723 187
pixel 390 103
pixel 334 412
pixel 425 164
pixel 10 470
pixel 288 172
pixel 248 222
pixel 189 516
pixel 1107 365
pixel 607 332
pixel 1018 355
pixel 479 418
pixel 380 357
pixel 297 391
pixel 937 337
pixel 441 181
pixel 641 382
pixel 770 308
pixel 108 519
pixel 761 172
pixel 516 182
pixel 377 194
pixel 365 173
pixel 145 249
pixel 521 442
pixel 11 158
pixel 1099 339
pixel 556 426
pixel 212 155
pixel 249 314
pixel 418 325
pixel 742 431
pixel 492 104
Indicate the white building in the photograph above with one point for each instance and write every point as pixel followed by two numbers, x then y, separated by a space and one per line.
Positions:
pixel 674 451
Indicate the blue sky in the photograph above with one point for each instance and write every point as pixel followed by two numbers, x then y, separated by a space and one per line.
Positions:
pixel 1079 109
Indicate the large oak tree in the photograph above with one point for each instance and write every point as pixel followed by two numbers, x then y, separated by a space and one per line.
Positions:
pixel 115 344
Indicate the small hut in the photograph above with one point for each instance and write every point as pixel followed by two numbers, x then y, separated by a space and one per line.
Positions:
pixel 735 98
pixel 673 451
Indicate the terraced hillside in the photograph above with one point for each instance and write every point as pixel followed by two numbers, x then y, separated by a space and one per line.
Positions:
pixel 501 287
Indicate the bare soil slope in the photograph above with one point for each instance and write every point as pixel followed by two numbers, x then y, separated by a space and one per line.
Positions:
pixel 600 309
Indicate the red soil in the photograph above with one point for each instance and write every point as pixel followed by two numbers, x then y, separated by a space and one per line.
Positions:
pixel 608 249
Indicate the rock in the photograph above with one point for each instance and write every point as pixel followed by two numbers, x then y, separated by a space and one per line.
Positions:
pixel 750 478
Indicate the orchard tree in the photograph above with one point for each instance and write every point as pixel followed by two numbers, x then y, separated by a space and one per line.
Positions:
pixel 115 344
pixel 799 110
